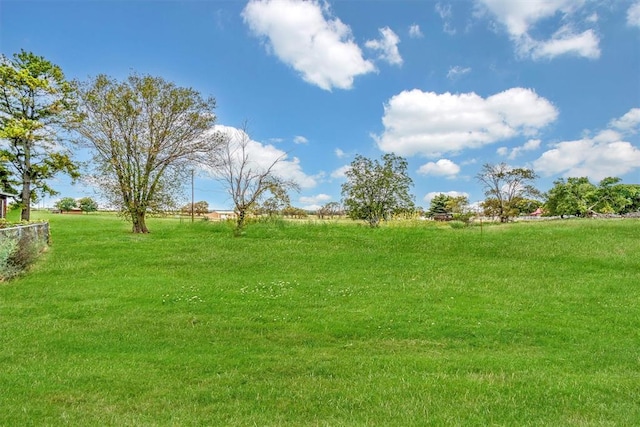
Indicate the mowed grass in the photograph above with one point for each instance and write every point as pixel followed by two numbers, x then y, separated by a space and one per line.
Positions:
pixel 325 325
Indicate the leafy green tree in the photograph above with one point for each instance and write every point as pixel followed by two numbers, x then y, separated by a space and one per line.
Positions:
pixel 375 191
pixel 36 102
pixel 146 134
pixel 526 206
pixel 573 196
pixel 578 196
pixel 458 205
pixel 87 204
pixel 492 207
pixel 504 186
pixel 612 196
pixel 201 207
pixel 632 194
pixel 66 204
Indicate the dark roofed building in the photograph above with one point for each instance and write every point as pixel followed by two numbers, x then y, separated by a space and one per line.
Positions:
pixel 4 203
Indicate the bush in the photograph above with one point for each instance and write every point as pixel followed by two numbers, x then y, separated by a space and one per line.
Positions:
pixel 16 256
pixel 457 224
pixel 7 248
pixel 464 217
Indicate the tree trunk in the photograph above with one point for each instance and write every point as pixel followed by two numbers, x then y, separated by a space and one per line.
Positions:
pixel 139 224
pixel 240 222
pixel 26 199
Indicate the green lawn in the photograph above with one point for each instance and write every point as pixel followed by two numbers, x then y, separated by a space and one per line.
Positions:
pixel 325 325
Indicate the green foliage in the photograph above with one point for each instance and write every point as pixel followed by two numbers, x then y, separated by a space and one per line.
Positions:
pixel 457 224
pixel 87 204
pixel 66 204
pixel 145 134
pixel 574 196
pixel 36 102
pixel 7 249
pixel 579 197
pixel 375 191
pixel 438 204
pixel 526 206
pixel 7 183
pixel 505 187
pixel 456 206
pixel 17 255
pixel 198 208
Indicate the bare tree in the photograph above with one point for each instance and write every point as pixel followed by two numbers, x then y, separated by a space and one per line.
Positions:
pixel 146 134
pixel 245 180
pixel 330 210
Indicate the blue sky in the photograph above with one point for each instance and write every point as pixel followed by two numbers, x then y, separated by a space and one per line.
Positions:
pixel 552 85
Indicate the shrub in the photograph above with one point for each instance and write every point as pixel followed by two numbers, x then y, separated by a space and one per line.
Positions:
pixel 464 217
pixel 457 224
pixel 17 255
pixel 7 248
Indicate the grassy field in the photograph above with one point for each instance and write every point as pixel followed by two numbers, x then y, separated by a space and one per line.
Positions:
pixel 325 325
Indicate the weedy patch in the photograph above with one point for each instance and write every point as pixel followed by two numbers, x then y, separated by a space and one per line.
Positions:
pixel 188 295
pixel 272 290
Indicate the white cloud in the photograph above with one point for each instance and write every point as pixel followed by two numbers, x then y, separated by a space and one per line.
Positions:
pixel 633 15
pixel 263 155
pixel 303 35
pixel 530 145
pixel 300 139
pixel 444 10
pixel 443 167
pixel 427 198
pixel 415 32
pixel 387 45
pixel 597 157
pixel 457 71
pixel 315 200
pixel 521 17
pixel 566 41
pixel 629 123
pixel 431 124
pixel 340 172
pixel 313 203
pixel 339 153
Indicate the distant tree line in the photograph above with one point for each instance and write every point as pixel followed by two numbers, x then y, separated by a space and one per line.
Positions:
pixel 84 204
pixel 148 136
